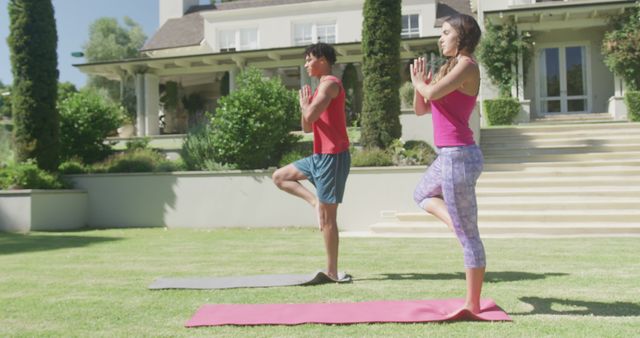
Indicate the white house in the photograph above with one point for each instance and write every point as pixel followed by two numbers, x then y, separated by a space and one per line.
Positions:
pixel 203 47
pixel 566 74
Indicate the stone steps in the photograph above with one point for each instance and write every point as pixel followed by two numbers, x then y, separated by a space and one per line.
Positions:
pixel 547 179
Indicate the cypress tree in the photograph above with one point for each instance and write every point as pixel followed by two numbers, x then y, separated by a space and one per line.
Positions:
pixel 33 40
pixel 380 116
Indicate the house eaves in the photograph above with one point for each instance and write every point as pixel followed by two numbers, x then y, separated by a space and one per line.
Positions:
pixel 226 61
pixel 575 15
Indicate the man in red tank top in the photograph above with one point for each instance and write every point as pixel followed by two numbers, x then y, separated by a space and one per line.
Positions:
pixel 327 169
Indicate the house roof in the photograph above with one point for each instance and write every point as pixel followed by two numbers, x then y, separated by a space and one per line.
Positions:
pixel 180 32
pixel 239 4
pixel 447 8
pixel 188 30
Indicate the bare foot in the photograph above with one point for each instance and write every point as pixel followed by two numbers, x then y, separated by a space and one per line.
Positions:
pixel 333 276
pixel 475 309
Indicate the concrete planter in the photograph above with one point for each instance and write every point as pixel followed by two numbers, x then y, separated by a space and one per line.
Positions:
pixel 42 210
pixel 236 199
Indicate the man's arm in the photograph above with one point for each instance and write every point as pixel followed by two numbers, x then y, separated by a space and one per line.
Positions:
pixel 327 91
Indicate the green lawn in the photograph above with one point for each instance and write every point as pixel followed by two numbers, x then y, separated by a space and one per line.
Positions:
pixel 93 283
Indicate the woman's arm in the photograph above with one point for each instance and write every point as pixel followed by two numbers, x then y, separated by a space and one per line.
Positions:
pixel 420 105
pixel 460 73
pixel 420 77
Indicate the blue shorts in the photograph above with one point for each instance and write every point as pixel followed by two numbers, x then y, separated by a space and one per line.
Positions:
pixel 328 173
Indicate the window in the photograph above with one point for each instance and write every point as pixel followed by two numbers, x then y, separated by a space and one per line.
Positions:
pixel 248 39
pixel 303 34
pixel 326 33
pixel 410 26
pixel 227 41
pixel 241 39
pixel 308 33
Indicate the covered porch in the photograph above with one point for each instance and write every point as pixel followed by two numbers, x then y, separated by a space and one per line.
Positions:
pixel 566 74
pixel 203 78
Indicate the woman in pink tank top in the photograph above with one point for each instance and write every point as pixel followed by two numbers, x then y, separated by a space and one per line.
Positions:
pixel 447 189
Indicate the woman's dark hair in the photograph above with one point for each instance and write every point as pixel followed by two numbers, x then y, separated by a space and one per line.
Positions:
pixel 468 31
pixel 468 38
pixel 320 50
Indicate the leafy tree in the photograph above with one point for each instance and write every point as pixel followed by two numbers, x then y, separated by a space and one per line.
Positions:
pixel 252 126
pixel 110 41
pixel 86 119
pixel 621 46
pixel 33 41
pixel 380 118
pixel 66 89
pixel 499 51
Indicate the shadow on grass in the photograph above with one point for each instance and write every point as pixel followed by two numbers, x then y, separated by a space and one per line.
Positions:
pixel 19 243
pixel 490 277
pixel 557 306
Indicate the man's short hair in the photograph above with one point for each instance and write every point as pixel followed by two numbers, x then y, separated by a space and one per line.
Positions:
pixel 320 50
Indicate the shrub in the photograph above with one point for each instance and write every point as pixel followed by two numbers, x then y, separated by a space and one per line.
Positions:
pixel 27 175
pixel 6 147
pixel 86 119
pixel 501 111
pixel 136 161
pixel 371 157
pixel 418 153
pixel 198 148
pixel 138 143
pixel 406 94
pixel 73 166
pixel 252 125
pixel 291 157
pixel 632 100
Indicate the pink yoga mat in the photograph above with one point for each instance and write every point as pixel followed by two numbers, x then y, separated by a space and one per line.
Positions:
pixel 343 313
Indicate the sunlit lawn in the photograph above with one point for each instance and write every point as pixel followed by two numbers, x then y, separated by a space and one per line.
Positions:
pixel 93 283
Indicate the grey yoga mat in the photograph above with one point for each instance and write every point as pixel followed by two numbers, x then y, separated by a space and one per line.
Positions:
pixel 257 281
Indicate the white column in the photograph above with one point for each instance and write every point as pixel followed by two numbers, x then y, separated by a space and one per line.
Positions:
pixel 304 77
pixel 152 107
pixel 618 85
pixel 232 79
pixel 520 75
pixel 140 102
pixel 514 85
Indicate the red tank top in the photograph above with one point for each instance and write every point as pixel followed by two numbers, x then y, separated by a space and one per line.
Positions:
pixel 330 130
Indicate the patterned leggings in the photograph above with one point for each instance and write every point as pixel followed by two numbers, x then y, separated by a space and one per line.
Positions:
pixel 452 176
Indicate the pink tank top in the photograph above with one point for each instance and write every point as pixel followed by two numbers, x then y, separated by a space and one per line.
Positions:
pixel 330 130
pixel 451 115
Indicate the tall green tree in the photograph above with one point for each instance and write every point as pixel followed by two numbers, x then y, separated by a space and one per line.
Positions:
pixel 380 118
pixel 109 41
pixel 33 41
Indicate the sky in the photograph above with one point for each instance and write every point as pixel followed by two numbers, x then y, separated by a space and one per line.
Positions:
pixel 73 18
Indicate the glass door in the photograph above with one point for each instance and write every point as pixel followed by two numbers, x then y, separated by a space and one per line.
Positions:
pixel 563 80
